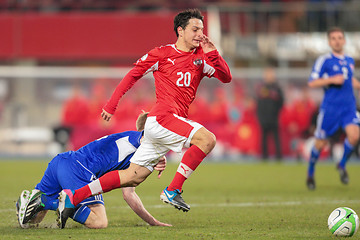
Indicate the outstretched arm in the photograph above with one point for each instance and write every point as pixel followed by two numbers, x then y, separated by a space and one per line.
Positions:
pixel 137 206
pixel 143 66
pixel 135 203
pixel 125 84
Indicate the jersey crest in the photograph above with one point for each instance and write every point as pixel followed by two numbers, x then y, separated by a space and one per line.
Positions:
pixel 198 62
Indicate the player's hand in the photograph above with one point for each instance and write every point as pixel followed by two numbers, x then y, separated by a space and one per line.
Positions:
pixel 105 115
pixel 207 45
pixel 337 79
pixel 160 166
pixel 158 223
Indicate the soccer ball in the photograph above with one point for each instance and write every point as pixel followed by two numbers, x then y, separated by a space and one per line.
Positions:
pixel 343 222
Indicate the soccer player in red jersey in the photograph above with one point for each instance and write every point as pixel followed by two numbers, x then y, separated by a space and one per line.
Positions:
pixel 178 69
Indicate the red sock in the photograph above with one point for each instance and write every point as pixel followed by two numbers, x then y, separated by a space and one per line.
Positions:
pixel 105 183
pixel 191 159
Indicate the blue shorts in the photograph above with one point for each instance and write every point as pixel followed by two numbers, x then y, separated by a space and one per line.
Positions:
pixel 64 172
pixel 330 120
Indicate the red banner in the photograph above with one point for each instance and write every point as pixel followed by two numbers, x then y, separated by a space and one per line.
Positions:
pixel 84 35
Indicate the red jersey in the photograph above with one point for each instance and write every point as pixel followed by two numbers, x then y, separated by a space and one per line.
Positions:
pixel 177 76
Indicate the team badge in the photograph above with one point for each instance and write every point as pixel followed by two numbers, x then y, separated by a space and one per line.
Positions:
pixel 342 62
pixel 336 68
pixel 198 62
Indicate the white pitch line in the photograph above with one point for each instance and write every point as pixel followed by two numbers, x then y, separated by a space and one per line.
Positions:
pixel 269 204
pixel 244 204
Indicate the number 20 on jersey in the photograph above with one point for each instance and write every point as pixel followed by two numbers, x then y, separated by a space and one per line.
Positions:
pixel 184 79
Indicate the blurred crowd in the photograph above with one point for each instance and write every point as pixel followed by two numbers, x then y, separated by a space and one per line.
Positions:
pixel 230 113
pixel 251 16
pixel 114 5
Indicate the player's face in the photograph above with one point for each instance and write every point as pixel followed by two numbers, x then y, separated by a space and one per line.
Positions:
pixel 337 42
pixel 193 33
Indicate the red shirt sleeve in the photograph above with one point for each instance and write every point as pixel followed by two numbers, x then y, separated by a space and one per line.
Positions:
pixel 222 70
pixel 148 63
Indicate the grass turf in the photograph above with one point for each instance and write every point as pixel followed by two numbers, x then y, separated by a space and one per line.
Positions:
pixel 228 201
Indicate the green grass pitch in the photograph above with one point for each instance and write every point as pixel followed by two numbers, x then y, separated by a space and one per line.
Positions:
pixel 228 201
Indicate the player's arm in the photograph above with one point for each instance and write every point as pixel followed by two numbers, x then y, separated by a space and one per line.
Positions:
pixel 318 72
pixel 125 84
pixel 324 82
pixel 137 206
pixel 144 65
pixel 355 83
pixel 222 70
pixel 135 203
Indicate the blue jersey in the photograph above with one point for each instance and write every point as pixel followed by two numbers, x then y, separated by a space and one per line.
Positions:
pixel 329 65
pixel 112 152
pixel 75 169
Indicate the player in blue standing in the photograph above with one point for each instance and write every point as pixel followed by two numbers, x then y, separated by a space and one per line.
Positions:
pixel 76 169
pixel 334 73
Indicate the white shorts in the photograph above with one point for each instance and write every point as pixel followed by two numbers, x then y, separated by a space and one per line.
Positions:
pixel 158 139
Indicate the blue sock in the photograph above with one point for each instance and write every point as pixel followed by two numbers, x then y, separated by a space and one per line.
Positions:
pixel 50 202
pixel 312 161
pixel 81 214
pixel 348 149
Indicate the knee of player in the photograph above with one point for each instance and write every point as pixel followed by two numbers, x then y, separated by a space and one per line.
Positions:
pixel 210 140
pixel 206 143
pixel 354 139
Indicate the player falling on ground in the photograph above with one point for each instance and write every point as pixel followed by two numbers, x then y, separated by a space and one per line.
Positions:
pixel 178 69
pixel 75 169
pixel 334 72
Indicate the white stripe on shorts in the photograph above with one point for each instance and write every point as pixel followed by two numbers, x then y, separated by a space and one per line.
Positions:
pixel 319 132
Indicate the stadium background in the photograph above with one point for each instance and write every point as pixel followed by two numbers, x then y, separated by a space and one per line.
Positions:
pixel 60 61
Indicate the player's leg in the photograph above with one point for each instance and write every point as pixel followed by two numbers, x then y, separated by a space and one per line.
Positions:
pixel 264 137
pixel 277 141
pixel 33 208
pixel 44 196
pixel 352 138
pixel 34 205
pixel 89 212
pixel 202 143
pixel 199 141
pixel 314 156
pixel 328 122
pixel 97 217
pixel 129 177
pixel 21 204
pixel 39 217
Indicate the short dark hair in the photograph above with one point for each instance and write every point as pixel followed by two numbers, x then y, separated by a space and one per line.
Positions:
pixel 182 19
pixel 335 29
